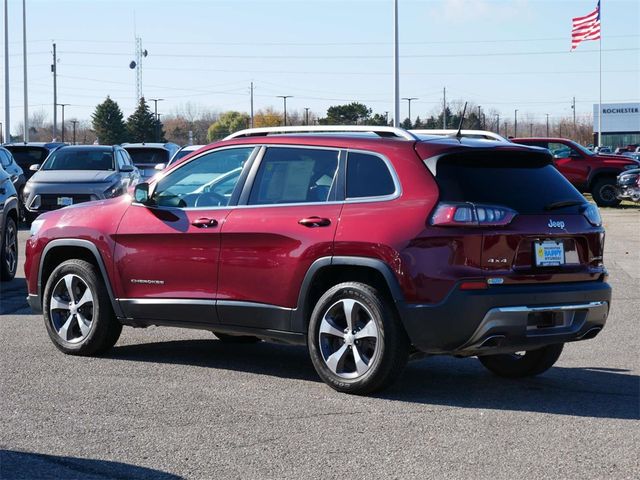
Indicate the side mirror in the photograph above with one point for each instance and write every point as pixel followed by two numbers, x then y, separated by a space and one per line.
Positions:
pixel 35 167
pixel 126 168
pixel 160 166
pixel 141 193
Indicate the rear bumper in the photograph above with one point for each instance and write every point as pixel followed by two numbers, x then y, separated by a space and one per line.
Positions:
pixel 508 318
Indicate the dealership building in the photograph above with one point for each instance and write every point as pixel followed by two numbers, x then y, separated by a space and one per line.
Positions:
pixel 620 124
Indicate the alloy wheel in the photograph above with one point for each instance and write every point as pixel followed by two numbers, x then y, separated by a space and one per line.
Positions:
pixel 72 308
pixel 608 193
pixel 348 338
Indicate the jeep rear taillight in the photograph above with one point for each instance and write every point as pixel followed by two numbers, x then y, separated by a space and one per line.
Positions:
pixel 471 215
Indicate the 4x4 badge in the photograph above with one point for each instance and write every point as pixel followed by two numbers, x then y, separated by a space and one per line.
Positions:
pixel 555 224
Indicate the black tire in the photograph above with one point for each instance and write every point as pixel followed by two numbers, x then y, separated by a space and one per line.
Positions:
pixel 605 192
pixel 387 352
pixel 533 362
pixel 9 250
pixel 104 330
pixel 226 338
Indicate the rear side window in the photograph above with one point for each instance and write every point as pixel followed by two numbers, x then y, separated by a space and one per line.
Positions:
pixel 524 182
pixel 294 175
pixel 368 176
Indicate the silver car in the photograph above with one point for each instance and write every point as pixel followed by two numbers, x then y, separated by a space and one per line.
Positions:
pixel 76 174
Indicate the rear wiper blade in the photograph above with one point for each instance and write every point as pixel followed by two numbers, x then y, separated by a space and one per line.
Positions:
pixel 563 203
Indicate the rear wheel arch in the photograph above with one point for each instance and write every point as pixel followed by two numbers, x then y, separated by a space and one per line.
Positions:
pixel 327 272
pixel 58 251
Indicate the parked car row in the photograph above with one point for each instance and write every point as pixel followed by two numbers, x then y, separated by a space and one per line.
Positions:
pixel 48 176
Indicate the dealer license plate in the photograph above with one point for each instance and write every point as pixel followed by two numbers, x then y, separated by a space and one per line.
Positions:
pixel 65 201
pixel 549 253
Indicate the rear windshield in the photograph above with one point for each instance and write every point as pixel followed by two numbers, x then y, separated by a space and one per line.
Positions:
pixel 524 182
pixel 27 156
pixel 148 156
pixel 80 159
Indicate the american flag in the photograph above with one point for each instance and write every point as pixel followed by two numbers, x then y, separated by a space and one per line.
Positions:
pixel 586 28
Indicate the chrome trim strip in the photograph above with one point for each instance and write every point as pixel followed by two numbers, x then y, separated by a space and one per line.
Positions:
pixel 195 301
pixel 555 308
pixel 239 303
pixel 167 301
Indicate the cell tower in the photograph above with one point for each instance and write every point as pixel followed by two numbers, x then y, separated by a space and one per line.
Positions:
pixel 137 65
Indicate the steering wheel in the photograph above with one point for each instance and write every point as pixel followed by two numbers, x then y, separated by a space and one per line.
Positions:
pixel 210 199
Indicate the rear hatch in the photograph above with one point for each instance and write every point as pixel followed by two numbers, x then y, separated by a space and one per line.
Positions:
pixel 146 159
pixel 536 227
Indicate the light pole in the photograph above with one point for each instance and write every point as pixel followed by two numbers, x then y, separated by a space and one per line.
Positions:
pixel 515 123
pixel 547 124
pixel 498 123
pixel 284 98
pixel 24 65
pixel 155 109
pixel 7 109
pixel 306 115
pixel 74 122
pixel 479 118
pixel 396 68
pixel 63 105
pixel 531 129
pixel 409 99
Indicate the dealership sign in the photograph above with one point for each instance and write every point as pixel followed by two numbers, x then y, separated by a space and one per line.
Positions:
pixel 618 117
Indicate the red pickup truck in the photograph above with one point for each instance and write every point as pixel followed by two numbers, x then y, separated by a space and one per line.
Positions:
pixel 587 171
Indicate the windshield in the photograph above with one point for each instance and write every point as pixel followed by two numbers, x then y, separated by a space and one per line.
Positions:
pixel 80 159
pixel 148 156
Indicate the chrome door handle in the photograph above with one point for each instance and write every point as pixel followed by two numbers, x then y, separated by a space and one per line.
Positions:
pixel 204 222
pixel 313 222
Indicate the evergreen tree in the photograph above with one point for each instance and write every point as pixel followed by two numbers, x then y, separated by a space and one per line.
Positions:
pixel 406 124
pixel 108 123
pixel 141 124
pixel 353 113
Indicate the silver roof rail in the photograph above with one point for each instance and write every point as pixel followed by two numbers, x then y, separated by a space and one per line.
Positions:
pixel 381 131
pixel 482 134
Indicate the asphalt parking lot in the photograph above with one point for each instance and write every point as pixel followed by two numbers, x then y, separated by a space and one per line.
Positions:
pixel 172 403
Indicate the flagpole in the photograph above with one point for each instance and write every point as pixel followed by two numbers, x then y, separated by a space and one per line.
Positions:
pixel 600 98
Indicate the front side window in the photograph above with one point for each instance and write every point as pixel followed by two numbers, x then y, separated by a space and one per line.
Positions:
pixel 80 159
pixel 368 176
pixel 560 150
pixel 294 175
pixel 207 181
pixel 121 160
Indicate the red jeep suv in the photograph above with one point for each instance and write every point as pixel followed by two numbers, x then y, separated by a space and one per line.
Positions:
pixel 367 244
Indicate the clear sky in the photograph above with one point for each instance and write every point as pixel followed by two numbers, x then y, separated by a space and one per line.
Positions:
pixel 501 54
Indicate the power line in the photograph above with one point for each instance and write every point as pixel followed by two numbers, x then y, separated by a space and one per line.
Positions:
pixel 352 57
pixel 326 44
